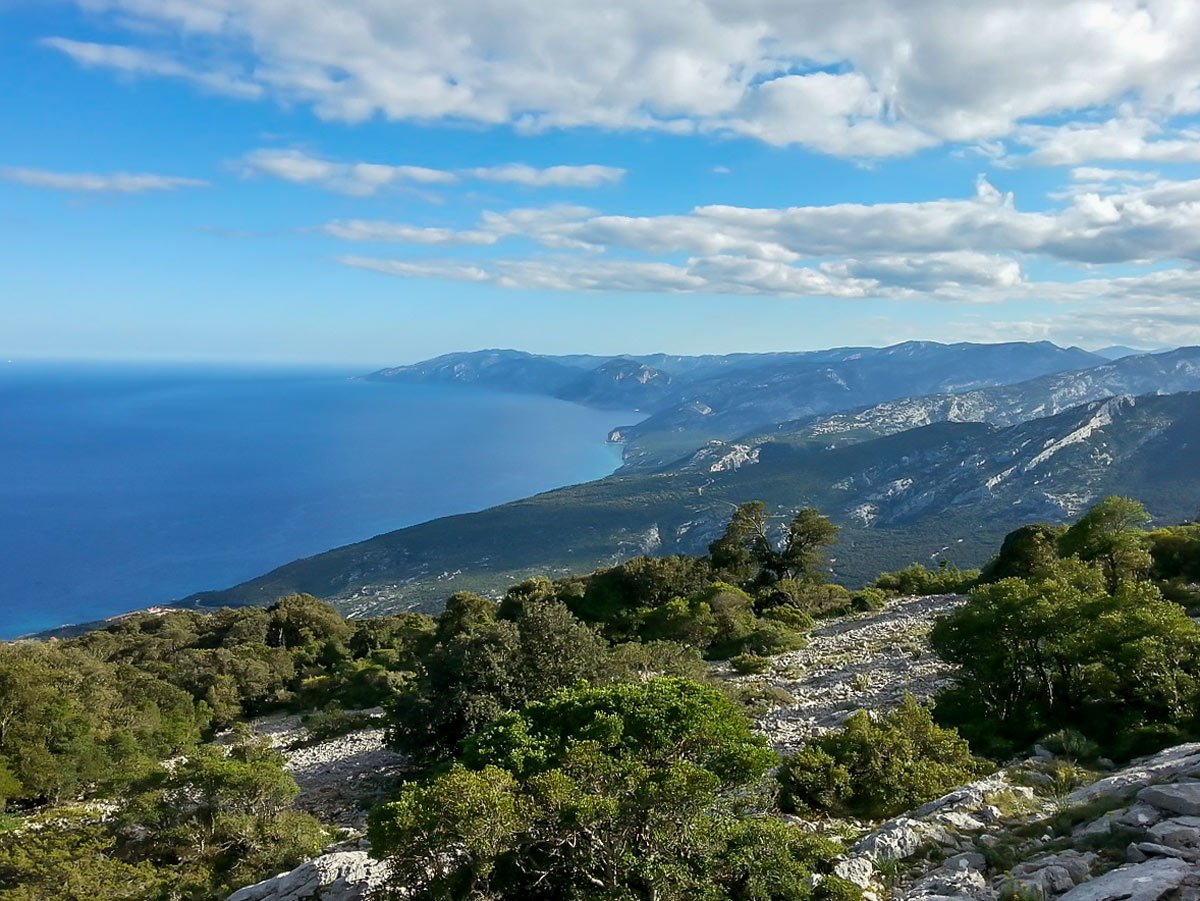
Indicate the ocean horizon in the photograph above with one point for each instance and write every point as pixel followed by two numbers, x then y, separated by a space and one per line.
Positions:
pixel 127 486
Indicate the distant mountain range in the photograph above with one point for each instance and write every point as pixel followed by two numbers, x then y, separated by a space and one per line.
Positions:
pixel 943 475
pixel 690 400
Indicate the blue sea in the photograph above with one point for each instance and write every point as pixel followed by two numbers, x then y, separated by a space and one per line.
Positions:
pixel 122 487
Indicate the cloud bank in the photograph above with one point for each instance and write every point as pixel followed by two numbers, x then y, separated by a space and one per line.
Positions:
pixel 876 78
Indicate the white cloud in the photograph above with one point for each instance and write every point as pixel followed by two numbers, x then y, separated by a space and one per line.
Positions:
pixel 363 230
pixel 358 179
pixel 365 179
pixel 1097 174
pixel 552 176
pixel 116 182
pixel 1122 224
pixel 875 78
pixel 1121 138
pixel 134 62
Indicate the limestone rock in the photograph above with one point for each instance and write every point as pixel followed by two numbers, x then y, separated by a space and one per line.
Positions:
pixel 1153 880
pixel 342 876
pixel 1182 797
pixel 858 870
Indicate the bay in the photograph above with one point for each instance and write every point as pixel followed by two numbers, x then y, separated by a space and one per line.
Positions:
pixel 122 487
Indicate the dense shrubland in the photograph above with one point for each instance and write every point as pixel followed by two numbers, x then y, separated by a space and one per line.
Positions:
pixel 1072 629
pixel 570 740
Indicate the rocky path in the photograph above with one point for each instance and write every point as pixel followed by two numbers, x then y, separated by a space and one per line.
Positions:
pixel 339 778
pixel 865 661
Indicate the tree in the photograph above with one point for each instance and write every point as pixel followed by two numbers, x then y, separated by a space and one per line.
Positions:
pixel 300 622
pixel 804 542
pixel 487 666
pixel 738 554
pixel 463 612
pixel 1028 552
pixel 1037 656
pixel 1111 534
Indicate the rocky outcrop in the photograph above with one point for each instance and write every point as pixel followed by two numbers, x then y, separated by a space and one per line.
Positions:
pixel 341 876
pixel 1133 839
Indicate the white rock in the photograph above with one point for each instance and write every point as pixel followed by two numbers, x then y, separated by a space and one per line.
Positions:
pixel 1170 764
pixel 1182 797
pixel 858 870
pixel 342 876
pixel 894 841
pixel 1148 881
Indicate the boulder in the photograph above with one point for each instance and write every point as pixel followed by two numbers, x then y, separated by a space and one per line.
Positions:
pixel 1178 832
pixel 858 870
pixel 341 876
pixel 1182 797
pixel 1156 879
pixel 894 841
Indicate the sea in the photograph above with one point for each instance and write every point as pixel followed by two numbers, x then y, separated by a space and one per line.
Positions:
pixel 123 487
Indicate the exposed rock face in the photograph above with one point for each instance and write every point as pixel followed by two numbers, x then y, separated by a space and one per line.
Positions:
pixel 1135 834
pixel 341 876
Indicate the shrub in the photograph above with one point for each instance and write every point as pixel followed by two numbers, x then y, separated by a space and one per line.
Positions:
pixel 917 580
pixel 868 600
pixel 878 768
pixel 747 664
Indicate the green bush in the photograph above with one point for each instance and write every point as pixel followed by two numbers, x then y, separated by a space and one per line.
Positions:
pixel 748 664
pixel 917 580
pixel 877 768
pixel 868 600
pixel 1035 657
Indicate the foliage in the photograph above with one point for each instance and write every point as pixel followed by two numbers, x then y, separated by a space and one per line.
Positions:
pixel 877 767
pixel 631 790
pixel 918 580
pixel 1036 656
pixel 749 554
pixel 747 664
pixel 1110 535
pixel 482 666
pixel 198 829
pixel 1030 551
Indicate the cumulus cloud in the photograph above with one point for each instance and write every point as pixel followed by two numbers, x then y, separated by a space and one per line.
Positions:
pixel 358 179
pixel 116 182
pixel 876 78
pixel 365 179
pixel 1116 139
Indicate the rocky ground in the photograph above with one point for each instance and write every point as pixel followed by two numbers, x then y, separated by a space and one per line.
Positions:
pixel 1133 835
pixel 340 778
pixel 859 662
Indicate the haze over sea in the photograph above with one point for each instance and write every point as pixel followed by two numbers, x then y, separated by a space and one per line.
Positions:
pixel 122 487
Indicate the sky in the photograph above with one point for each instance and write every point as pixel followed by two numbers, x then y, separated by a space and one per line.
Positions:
pixel 377 181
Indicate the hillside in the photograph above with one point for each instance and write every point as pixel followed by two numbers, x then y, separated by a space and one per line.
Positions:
pixel 948 490
pixel 1164 373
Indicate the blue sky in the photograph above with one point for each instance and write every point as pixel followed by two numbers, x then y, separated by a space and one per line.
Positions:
pixel 374 182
